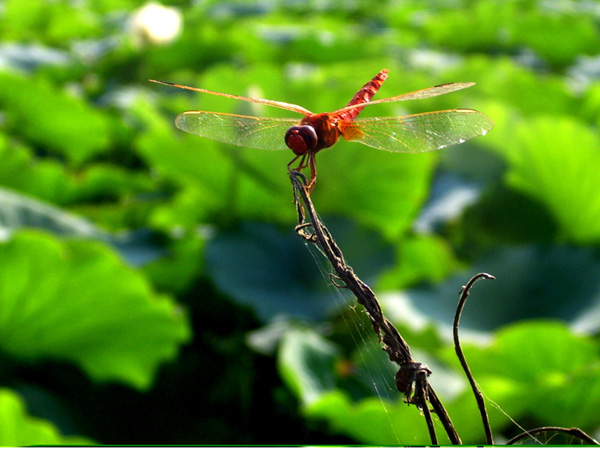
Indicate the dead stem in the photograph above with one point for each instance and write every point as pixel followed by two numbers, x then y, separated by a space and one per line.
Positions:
pixel 464 294
pixel 575 432
pixel 412 376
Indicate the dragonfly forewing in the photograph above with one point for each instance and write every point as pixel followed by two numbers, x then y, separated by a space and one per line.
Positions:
pixel 416 95
pixel 244 131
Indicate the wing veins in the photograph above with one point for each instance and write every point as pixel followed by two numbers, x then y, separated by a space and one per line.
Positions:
pixel 415 95
pixel 244 131
pixel 419 133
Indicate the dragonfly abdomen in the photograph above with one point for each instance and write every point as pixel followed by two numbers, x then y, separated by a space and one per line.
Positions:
pixel 364 95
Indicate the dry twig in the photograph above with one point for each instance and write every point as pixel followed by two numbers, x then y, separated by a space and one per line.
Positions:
pixel 575 432
pixel 412 376
pixel 464 294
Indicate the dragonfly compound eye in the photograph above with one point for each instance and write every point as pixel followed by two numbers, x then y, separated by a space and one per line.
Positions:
pixel 301 139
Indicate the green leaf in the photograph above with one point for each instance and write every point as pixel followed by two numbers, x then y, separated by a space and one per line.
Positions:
pixel 504 216
pixel 530 352
pixel 21 211
pixel 504 399
pixel 306 363
pixel 22 17
pixel 76 301
pixel 373 421
pixel 554 372
pixel 571 398
pixel 53 119
pixel 511 90
pixel 532 281
pixel 184 210
pixel 420 259
pixel 57 22
pixel 276 274
pixel 484 21
pixel 104 181
pixel 48 179
pixel 553 159
pixel 177 270
pixel 550 36
pixel 378 189
pixel 43 178
pixel 19 429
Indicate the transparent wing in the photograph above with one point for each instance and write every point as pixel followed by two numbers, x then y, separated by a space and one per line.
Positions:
pixel 246 131
pixel 418 133
pixel 416 95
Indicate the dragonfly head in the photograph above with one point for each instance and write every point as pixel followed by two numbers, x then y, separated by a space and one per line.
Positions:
pixel 301 139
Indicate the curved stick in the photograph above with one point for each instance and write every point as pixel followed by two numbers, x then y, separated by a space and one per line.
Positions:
pixel 576 432
pixel 464 294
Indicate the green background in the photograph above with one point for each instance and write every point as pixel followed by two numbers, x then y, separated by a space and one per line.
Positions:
pixel 152 289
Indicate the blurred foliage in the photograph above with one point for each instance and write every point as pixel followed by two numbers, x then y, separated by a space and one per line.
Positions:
pixel 152 290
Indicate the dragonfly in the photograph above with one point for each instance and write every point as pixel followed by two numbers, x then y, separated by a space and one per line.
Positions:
pixel 306 136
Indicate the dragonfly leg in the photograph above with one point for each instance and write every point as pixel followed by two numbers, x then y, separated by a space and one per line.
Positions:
pixel 301 166
pixel 308 160
pixel 312 162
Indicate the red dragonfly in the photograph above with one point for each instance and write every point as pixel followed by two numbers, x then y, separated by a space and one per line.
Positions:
pixel 415 133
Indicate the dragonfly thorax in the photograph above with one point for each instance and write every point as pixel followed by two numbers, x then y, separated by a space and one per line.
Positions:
pixel 301 139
